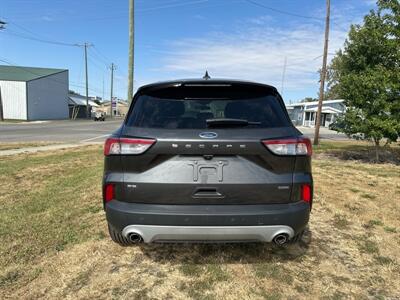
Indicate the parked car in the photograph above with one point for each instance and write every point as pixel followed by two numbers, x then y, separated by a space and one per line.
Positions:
pixel 207 160
pixel 99 116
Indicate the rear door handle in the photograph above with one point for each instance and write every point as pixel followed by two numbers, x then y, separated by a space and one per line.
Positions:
pixel 207 193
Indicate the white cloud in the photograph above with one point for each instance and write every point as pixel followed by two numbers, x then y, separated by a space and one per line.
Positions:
pixel 47 18
pixel 370 2
pixel 255 53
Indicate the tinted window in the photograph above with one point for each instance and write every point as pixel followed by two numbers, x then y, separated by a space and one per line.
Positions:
pixel 154 112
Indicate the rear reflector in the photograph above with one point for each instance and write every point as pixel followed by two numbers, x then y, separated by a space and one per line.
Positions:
pixel 306 193
pixel 298 146
pixel 109 192
pixel 126 146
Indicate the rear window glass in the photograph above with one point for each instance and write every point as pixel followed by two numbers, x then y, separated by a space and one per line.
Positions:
pixel 154 112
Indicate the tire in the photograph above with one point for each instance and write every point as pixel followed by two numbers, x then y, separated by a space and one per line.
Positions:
pixel 117 237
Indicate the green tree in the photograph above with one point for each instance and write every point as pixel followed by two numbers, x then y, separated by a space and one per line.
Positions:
pixel 366 73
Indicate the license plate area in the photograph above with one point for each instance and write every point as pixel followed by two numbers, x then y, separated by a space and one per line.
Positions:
pixel 204 172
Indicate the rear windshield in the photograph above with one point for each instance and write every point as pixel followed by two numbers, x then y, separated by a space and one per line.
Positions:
pixel 154 112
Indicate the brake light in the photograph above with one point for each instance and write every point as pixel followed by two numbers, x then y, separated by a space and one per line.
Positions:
pixel 306 193
pixel 298 146
pixel 109 192
pixel 126 146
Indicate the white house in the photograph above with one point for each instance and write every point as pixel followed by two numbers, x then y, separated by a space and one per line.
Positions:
pixel 305 113
pixel 33 93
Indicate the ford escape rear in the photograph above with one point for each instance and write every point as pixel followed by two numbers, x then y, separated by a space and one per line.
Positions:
pixel 207 160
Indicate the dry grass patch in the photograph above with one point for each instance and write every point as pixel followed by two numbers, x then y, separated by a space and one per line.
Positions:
pixel 18 145
pixel 54 240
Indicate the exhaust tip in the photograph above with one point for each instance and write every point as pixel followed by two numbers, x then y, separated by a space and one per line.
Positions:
pixel 135 238
pixel 281 239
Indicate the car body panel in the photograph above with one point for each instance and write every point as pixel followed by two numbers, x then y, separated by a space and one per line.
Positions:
pixel 207 176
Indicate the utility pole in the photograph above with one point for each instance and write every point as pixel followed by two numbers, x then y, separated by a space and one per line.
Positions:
pixel 131 49
pixel 102 97
pixel 323 74
pixel 87 81
pixel 2 26
pixel 85 46
pixel 112 67
pixel 283 75
pixel 1 107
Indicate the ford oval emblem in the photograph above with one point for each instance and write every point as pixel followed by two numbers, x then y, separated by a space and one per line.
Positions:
pixel 208 135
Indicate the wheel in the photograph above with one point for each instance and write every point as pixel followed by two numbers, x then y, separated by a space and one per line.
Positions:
pixel 117 237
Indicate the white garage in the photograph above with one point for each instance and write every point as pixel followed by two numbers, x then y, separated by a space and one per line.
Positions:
pixel 33 93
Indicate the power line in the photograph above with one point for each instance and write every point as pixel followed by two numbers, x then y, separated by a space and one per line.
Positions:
pixel 14 33
pixel 35 37
pixel 172 5
pixel 295 14
pixel 283 12
pixel 26 69
pixel 97 65
pixel 100 55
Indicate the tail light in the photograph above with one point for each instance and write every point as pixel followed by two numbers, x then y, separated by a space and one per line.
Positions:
pixel 126 146
pixel 306 194
pixel 109 192
pixel 298 146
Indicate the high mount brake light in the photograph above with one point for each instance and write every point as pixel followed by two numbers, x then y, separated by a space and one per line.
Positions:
pixel 126 146
pixel 297 146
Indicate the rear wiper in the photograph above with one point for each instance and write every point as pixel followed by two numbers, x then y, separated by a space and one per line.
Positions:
pixel 229 122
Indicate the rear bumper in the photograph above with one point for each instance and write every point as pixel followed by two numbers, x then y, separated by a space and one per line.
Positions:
pixel 207 222
pixel 155 233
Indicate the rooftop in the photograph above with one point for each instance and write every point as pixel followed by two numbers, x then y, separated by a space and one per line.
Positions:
pixel 16 73
pixel 80 100
pixel 314 103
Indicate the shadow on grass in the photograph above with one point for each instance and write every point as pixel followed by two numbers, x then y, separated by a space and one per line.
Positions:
pixel 231 253
pixel 356 152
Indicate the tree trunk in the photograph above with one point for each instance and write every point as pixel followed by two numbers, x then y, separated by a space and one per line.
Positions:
pixel 376 150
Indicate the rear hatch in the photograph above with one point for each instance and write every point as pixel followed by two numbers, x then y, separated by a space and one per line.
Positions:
pixel 203 144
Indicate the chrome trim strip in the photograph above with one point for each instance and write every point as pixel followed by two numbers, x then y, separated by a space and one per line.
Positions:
pixel 153 233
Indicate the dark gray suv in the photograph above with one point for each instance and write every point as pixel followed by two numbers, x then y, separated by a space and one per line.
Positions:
pixel 207 160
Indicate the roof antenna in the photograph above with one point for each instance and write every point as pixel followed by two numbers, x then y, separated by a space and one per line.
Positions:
pixel 206 76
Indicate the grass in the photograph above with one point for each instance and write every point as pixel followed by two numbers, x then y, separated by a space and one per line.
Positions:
pixel 373 223
pixel 340 222
pixel 54 241
pixel 367 246
pixel 358 150
pixel 390 229
pixel 12 146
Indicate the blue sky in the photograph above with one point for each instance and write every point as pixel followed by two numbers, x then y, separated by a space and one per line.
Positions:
pixel 178 39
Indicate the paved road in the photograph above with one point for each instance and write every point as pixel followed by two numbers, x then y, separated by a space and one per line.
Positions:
pixel 89 131
pixel 57 131
pixel 324 133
